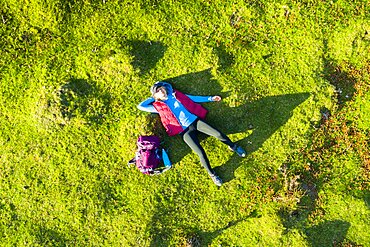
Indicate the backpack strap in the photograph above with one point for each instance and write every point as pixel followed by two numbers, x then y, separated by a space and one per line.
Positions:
pixel 131 162
pixel 158 172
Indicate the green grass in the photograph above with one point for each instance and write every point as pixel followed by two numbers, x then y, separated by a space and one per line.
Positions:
pixel 72 73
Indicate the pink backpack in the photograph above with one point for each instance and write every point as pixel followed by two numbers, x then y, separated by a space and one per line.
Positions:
pixel 148 154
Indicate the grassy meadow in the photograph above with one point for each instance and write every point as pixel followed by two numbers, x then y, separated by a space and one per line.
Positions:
pixel 295 82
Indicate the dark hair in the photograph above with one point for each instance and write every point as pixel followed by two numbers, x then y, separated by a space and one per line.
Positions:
pixel 155 87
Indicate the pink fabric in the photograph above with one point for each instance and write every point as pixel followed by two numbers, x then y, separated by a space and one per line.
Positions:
pixel 190 105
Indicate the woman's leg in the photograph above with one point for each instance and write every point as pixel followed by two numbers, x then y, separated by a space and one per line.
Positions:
pixel 191 139
pixel 211 131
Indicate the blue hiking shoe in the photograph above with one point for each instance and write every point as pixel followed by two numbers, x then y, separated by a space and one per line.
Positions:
pixel 239 150
pixel 216 179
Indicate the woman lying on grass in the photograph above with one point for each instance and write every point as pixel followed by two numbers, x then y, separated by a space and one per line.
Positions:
pixel 180 114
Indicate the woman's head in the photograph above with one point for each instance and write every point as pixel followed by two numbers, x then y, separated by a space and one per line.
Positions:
pixel 159 91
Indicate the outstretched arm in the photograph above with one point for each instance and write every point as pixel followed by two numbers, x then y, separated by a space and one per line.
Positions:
pixel 147 105
pixel 203 99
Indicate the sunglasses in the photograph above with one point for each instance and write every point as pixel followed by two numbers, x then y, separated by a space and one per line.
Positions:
pixel 161 88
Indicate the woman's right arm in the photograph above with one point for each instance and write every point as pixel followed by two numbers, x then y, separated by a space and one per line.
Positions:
pixel 147 105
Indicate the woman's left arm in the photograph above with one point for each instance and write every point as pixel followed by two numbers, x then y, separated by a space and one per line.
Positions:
pixel 203 99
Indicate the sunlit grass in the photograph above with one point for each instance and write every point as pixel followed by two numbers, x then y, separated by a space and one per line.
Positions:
pixel 72 74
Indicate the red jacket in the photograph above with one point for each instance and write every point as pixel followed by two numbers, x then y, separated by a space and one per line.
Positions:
pixel 169 120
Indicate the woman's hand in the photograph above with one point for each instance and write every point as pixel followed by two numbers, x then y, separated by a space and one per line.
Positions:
pixel 216 98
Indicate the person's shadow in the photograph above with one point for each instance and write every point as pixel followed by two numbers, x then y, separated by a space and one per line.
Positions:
pixel 261 117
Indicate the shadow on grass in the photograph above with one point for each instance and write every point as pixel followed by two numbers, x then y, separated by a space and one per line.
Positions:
pixel 367 199
pixel 225 58
pixel 68 8
pixel 343 82
pixel 201 238
pixel 318 155
pixel 48 237
pixel 328 233
pixel 43 236
pixel 262 117
pixel 81 98
pixel 162 228
pixel 146 54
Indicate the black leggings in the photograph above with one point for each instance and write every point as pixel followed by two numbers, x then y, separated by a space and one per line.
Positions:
pixel 191 139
